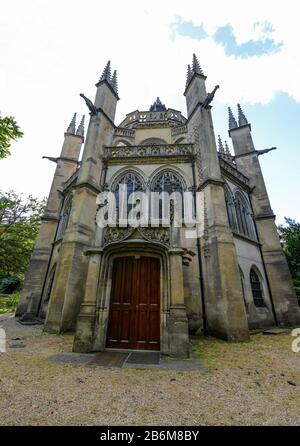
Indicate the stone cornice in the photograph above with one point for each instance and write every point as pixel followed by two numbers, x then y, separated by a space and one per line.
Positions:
pixel 214 181
pixel 88 186
pixel 232 173
pixel 265 217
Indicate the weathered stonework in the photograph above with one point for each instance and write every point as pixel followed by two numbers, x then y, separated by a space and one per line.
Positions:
pixel 231 278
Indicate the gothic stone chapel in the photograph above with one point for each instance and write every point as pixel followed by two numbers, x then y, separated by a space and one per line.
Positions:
pixel 149 288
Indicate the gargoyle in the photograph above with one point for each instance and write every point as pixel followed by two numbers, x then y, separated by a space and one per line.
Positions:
pixel 51 158
pixel 90 105
pixel 261 152
pixel 210 97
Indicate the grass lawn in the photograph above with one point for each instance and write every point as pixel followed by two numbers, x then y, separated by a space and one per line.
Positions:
pixel 251 383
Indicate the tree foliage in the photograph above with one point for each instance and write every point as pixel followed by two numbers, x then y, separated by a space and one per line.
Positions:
pixel 290 239
pixel 9 131
pixel 19 225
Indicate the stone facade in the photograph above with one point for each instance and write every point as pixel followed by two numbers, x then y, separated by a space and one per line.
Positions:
pixel 230 278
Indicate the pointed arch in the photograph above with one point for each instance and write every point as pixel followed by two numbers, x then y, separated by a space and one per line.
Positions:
pixel 167 174
pixel 129 176
pixel 256 283
pixel 134 181
pixel 243 213
pixel 64 217
pixel 229 201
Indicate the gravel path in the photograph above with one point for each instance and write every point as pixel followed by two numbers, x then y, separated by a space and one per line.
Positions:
pixel 244 384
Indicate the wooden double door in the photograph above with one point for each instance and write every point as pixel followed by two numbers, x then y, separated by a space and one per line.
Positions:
pixel 134 316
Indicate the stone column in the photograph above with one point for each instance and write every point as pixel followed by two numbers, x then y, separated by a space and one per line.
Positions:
pixel 282 292
pixel 66 165
pixel 84 335
pixel 177 321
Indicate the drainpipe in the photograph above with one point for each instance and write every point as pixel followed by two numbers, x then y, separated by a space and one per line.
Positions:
pixel 205 332
pixel 265 269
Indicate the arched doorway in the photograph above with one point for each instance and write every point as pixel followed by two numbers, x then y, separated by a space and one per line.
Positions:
pixel 134 315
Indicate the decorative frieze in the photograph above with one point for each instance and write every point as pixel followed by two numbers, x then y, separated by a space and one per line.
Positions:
pixel 149 151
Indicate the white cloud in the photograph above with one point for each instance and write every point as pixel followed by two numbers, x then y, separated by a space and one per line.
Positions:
pixel 53 50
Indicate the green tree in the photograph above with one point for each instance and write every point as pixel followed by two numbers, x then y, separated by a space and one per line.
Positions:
pixel 19 224
pixel 9 131
pixel 290 239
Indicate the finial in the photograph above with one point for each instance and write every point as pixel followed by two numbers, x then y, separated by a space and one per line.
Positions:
pixel 232 120
pixel 189 75
pixel 196 66
pixel 72 126
pixel 80 130
pixel 220 145
pixel 242 118
pixel 106 73
pixel 114 82
pixel 157 106
pixel 227 150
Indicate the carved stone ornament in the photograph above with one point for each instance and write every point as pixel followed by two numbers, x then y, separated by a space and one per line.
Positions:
pixel 160 235
pixel 117 234
pixel 113 235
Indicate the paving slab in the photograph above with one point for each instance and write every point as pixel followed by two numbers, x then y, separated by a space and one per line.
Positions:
pixel 73 358
pixel 109 359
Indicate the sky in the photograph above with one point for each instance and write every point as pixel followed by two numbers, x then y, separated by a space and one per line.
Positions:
pixel 53 50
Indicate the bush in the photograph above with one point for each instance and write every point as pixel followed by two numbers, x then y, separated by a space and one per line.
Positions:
pixel 9 304
pixel 296 283
pixel 10 285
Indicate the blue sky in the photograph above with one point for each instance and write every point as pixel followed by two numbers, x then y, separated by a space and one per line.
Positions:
pixel 55 50
pixel 274 124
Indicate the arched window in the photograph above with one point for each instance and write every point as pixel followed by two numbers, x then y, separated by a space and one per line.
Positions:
pixel 256 287
pixel 230 209
pixel 64 217
pixel 134 183
pixel 243 216
pixel 170 182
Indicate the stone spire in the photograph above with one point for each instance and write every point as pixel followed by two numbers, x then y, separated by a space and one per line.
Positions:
pixel 114 82
pixel 232 120
pixel 189 75
pixel 242 118
pixel 220 145
pixel 157 106
pixel 106 75
pixel 72 126
pixel 227 150
pixel 196 66
pixel 80 129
